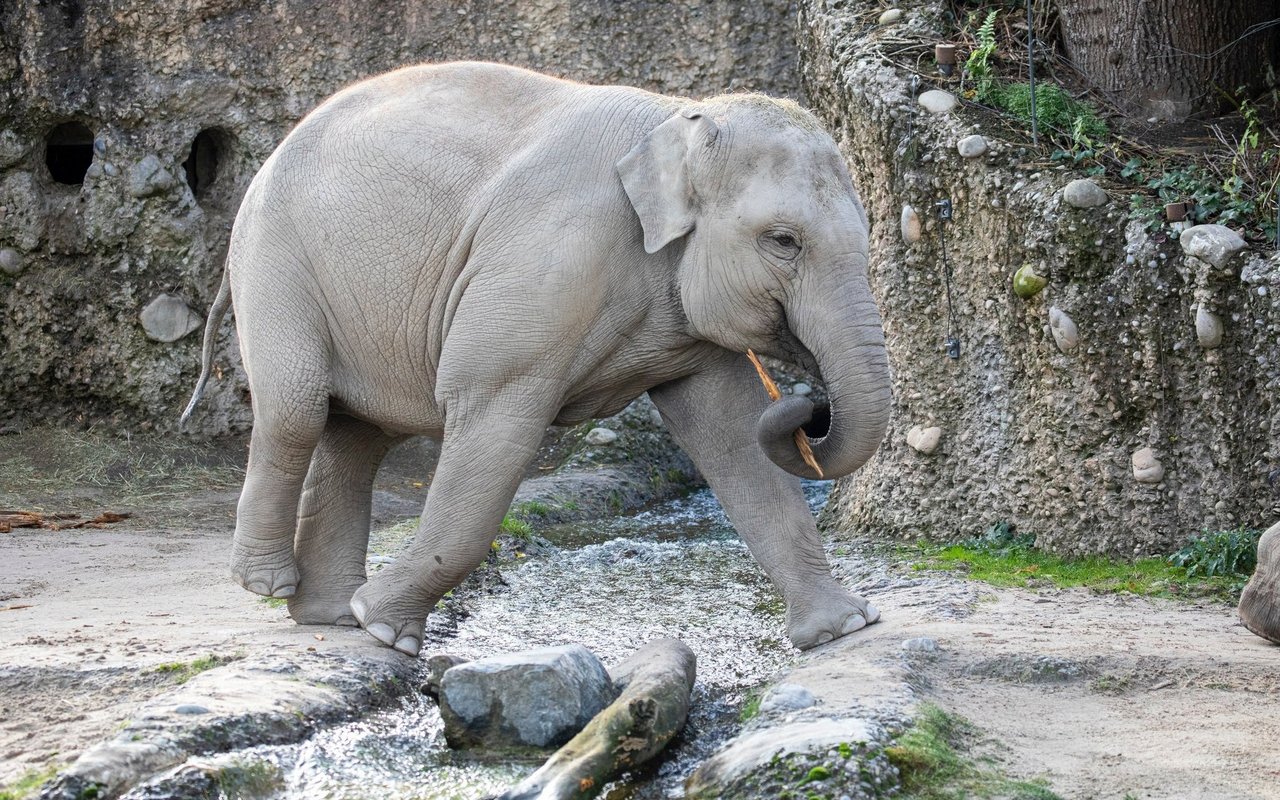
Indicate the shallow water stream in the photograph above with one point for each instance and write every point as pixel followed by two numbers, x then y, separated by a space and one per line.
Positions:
pixel 677 570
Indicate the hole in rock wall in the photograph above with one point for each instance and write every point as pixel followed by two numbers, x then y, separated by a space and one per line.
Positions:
pixel 201 165
pixel 68 152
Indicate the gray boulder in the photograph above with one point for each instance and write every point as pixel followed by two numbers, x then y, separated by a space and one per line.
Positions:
pixel 1215 244
pixel 539 698
pixel 168 318
pixel 1084 193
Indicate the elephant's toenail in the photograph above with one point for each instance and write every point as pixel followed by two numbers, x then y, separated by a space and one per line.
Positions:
pixel 348 620
pixel 825 637
pixel 872 614
pixel 359 610
pixel 382 632
pixel 408 645
pixel 285 591
pixel 855 622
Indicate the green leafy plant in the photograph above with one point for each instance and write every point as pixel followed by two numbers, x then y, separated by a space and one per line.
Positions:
pixel 514 526
pixel 978 65
pixel 1219 554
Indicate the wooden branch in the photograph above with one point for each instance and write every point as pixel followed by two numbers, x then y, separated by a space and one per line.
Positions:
pixel 802 440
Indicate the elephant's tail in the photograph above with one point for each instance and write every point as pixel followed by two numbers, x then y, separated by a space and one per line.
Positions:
pixel 216 312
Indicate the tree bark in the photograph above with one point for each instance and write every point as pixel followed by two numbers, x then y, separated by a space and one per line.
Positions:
pixel 1161 57
pixel 656 683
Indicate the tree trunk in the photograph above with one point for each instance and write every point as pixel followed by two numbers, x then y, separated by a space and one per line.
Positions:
pixel 1170 58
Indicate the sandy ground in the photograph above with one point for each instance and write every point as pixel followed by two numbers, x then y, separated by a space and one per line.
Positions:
pixel 1104 696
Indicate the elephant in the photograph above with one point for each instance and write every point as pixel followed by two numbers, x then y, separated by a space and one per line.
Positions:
pixel 1260 600
pixel 473 252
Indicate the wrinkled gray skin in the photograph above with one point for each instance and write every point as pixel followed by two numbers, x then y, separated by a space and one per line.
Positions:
pixel 472 252
pixel 1260 601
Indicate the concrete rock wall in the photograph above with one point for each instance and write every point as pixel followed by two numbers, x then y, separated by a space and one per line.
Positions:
pixel 104 283
pixel 1094 414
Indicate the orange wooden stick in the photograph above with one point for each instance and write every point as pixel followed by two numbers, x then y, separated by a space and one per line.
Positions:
pixel 802 441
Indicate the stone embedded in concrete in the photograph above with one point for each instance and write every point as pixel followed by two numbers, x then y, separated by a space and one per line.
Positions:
pixel 600 436
pixel 168 318
pixel 1084 193
pixel 1146 467
pixel 801 389
pixel 1215 244
pixel 911 227
pixel 1027 283
pixel 11 261
pixel 1208 328
pixel 972 146
pixel 149 177
pixel 1065 334
pixel 890 16
pixel 539 698
pixel 924 440
pixel 936 101
pixel 787 697
pixel 12 148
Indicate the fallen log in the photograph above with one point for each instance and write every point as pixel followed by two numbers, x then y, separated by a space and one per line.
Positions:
pixel 655 683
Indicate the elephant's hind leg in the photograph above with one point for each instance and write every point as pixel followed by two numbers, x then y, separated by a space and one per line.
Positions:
pixel 333 520
pixel 1260 602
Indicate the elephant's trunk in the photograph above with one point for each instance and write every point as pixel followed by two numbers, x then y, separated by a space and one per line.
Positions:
pixel 848 345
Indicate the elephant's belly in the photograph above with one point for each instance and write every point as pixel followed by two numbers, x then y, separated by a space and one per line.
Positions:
pixel 396 406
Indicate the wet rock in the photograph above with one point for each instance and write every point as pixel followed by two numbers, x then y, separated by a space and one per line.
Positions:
pixel 220 776
pixel 1146 467
pixel 924 440
pixel 190 708
pixel 787 697
pixel 890 16
pixel 1084 193
pixel 936 101
pixel 11 261
pixel 1027 283
pixel 535 699
pixel 600 436
pixel 801 389
pixel 765 763
pixel 149 177
pixel 436 666
pixel 168 318
pixel 1215 244
pixel 972 146
pixel 1208 328
pixel 1065 334
pixel 921 644
pixel 911 227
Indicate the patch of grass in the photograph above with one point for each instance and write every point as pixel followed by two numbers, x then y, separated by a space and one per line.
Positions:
pixel 531 508
pixel 274 602
pixel 513 526
pixel 27 784
pixel 1004 558
pixel 932 764
pixel 183 671
pixel 751 705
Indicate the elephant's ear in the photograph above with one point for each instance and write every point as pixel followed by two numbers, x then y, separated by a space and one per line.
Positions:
pixel 655 175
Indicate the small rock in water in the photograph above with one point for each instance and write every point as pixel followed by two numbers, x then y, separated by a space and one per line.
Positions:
pixel 787 697
pixel 924 440
pixel 801 389
pixel 921 644
pixel 168 318
pixel 1084 193
pixel 437 666
pixel 936 101
pixel 890 16
pixel 1208 328
pixel 972 146
pixel 910 225
pixel 1215 244
pixel 1146 467
pixel 1063 328
pixel 539 698
pixel 599 436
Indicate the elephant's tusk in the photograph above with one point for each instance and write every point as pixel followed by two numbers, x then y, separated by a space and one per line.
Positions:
pixel 802 441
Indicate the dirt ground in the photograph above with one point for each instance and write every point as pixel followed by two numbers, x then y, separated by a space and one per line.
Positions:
pixel 1105 696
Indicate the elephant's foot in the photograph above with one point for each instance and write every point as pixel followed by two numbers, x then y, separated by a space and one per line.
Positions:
pixel 395 618
pixel 267 574
pixel 827 617
pixel 322 609
pixel 1260 610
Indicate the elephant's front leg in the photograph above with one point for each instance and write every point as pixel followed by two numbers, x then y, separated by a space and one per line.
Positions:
pixel 713 416
pixel 485 454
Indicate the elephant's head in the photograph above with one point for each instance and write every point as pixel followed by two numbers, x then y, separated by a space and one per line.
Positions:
pixel 773 258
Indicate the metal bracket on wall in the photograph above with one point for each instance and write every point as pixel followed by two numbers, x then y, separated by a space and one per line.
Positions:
pixel 952 341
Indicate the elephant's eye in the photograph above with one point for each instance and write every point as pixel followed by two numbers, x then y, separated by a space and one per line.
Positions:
pixel 782 244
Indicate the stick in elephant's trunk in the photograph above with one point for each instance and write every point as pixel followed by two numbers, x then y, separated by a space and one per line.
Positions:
pixel 656 683
pixel 802 441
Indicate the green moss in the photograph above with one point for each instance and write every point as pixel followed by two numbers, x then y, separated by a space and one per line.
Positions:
pixel 1004 559
pixel 27 784
pixel 249 779
pixel 932 764
pixel 183 671
pixel 751 705
pixel 274 602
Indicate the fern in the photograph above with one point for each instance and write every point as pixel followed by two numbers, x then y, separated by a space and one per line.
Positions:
pixel 978 64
